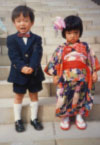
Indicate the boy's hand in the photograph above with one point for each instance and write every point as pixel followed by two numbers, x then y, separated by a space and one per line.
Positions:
pixel 24 69
pixel 30 70
pixel 55 79
pixel 27 70
pixel 94 77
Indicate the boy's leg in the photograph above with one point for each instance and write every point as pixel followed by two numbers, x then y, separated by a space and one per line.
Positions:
pixel 34 111
pixel 18 106
pixel 34 105
pixel 17 112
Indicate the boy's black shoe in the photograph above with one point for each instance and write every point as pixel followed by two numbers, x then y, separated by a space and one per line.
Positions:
pixel 36 124
pixel 19 126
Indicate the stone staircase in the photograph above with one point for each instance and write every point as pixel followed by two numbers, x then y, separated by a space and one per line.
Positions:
pixel 45 12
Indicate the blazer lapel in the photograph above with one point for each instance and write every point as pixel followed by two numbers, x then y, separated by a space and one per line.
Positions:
pixel 20 41
pixel 24 47
pixel 30 40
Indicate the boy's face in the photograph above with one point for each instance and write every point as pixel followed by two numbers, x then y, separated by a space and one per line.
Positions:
pixel 72 36
pixel 23 24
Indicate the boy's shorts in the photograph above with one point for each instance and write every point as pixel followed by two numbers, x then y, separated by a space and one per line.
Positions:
pixel 32 88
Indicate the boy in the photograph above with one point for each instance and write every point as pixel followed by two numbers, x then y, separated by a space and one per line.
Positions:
pixel 25 53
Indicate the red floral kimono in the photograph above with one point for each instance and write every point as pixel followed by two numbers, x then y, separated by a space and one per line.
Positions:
pixel 74 64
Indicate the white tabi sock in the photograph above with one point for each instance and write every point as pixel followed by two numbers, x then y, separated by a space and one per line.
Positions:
pixel 79 118
pixel 17 111
pixel 34 110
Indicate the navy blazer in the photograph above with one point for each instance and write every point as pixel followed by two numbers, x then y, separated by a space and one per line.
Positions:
pixel 25 55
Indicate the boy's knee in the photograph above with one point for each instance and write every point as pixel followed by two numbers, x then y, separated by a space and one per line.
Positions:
pixel 18 98
pixel 33 96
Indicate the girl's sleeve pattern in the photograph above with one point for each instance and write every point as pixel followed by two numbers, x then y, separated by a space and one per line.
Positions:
pixel 92 60
pixel 55 59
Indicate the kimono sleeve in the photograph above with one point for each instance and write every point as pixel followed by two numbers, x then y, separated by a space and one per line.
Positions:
pixel 55 59
pixel 93 60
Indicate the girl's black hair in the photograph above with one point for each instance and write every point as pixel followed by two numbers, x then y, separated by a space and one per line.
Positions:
pixel 72 23
pixel 26 11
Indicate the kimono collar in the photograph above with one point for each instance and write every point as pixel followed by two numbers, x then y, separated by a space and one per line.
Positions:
pixel 68 43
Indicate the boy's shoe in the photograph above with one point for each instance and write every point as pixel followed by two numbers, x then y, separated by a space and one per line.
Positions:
pixel 80 123
pixel 36 124
pixel 65 123
pixel 19 126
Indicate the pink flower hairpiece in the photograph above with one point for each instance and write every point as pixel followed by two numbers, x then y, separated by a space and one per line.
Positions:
pixel 59 24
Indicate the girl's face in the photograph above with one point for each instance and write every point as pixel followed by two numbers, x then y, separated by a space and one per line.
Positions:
pixel 23 24
pixel 72 36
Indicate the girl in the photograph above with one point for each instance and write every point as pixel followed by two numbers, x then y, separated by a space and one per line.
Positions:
pixel 74 69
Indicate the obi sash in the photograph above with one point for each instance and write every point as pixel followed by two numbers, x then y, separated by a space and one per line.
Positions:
pixel 75 64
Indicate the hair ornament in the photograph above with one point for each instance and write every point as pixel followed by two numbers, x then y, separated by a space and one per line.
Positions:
pixel 59 24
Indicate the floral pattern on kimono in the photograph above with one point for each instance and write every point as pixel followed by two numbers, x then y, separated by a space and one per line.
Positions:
pixel 72 92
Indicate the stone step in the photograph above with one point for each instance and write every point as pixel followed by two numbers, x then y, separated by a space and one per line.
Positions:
pixel 38 7
pixel 46 48
pixel 89 141
pixel 49 89
pixel 4 52
pixel 35 1
pixel 53 9
pixel 90 14
pixel 93 11
pixel 38 29
pixel 3 2
pixel 50 32
pixel 4 69
pixel 4 60
pixel 49 3
pixel 84 5
pixel 91 33
pixel 57 41
pixel 51 135
pixel 51 48
pixel 46 110
pixel 53 87
pixel 47 19
pixel 97 39
pixel 93 27
pixel 48 51
pixel 4 85
pixel 70 3
pixel 4 72
pixel 42 23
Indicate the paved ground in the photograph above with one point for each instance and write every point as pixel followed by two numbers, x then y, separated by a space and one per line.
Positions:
pixel 51 135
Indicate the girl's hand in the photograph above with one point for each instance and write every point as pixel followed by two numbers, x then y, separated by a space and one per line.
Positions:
pixel 55 79
pixel 95 76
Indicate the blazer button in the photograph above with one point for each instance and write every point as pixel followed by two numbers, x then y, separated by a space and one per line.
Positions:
pixel 14 66
pixel 26 55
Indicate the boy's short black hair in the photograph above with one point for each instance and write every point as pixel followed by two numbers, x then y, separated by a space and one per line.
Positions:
pixel 72 23
pixel 26 11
